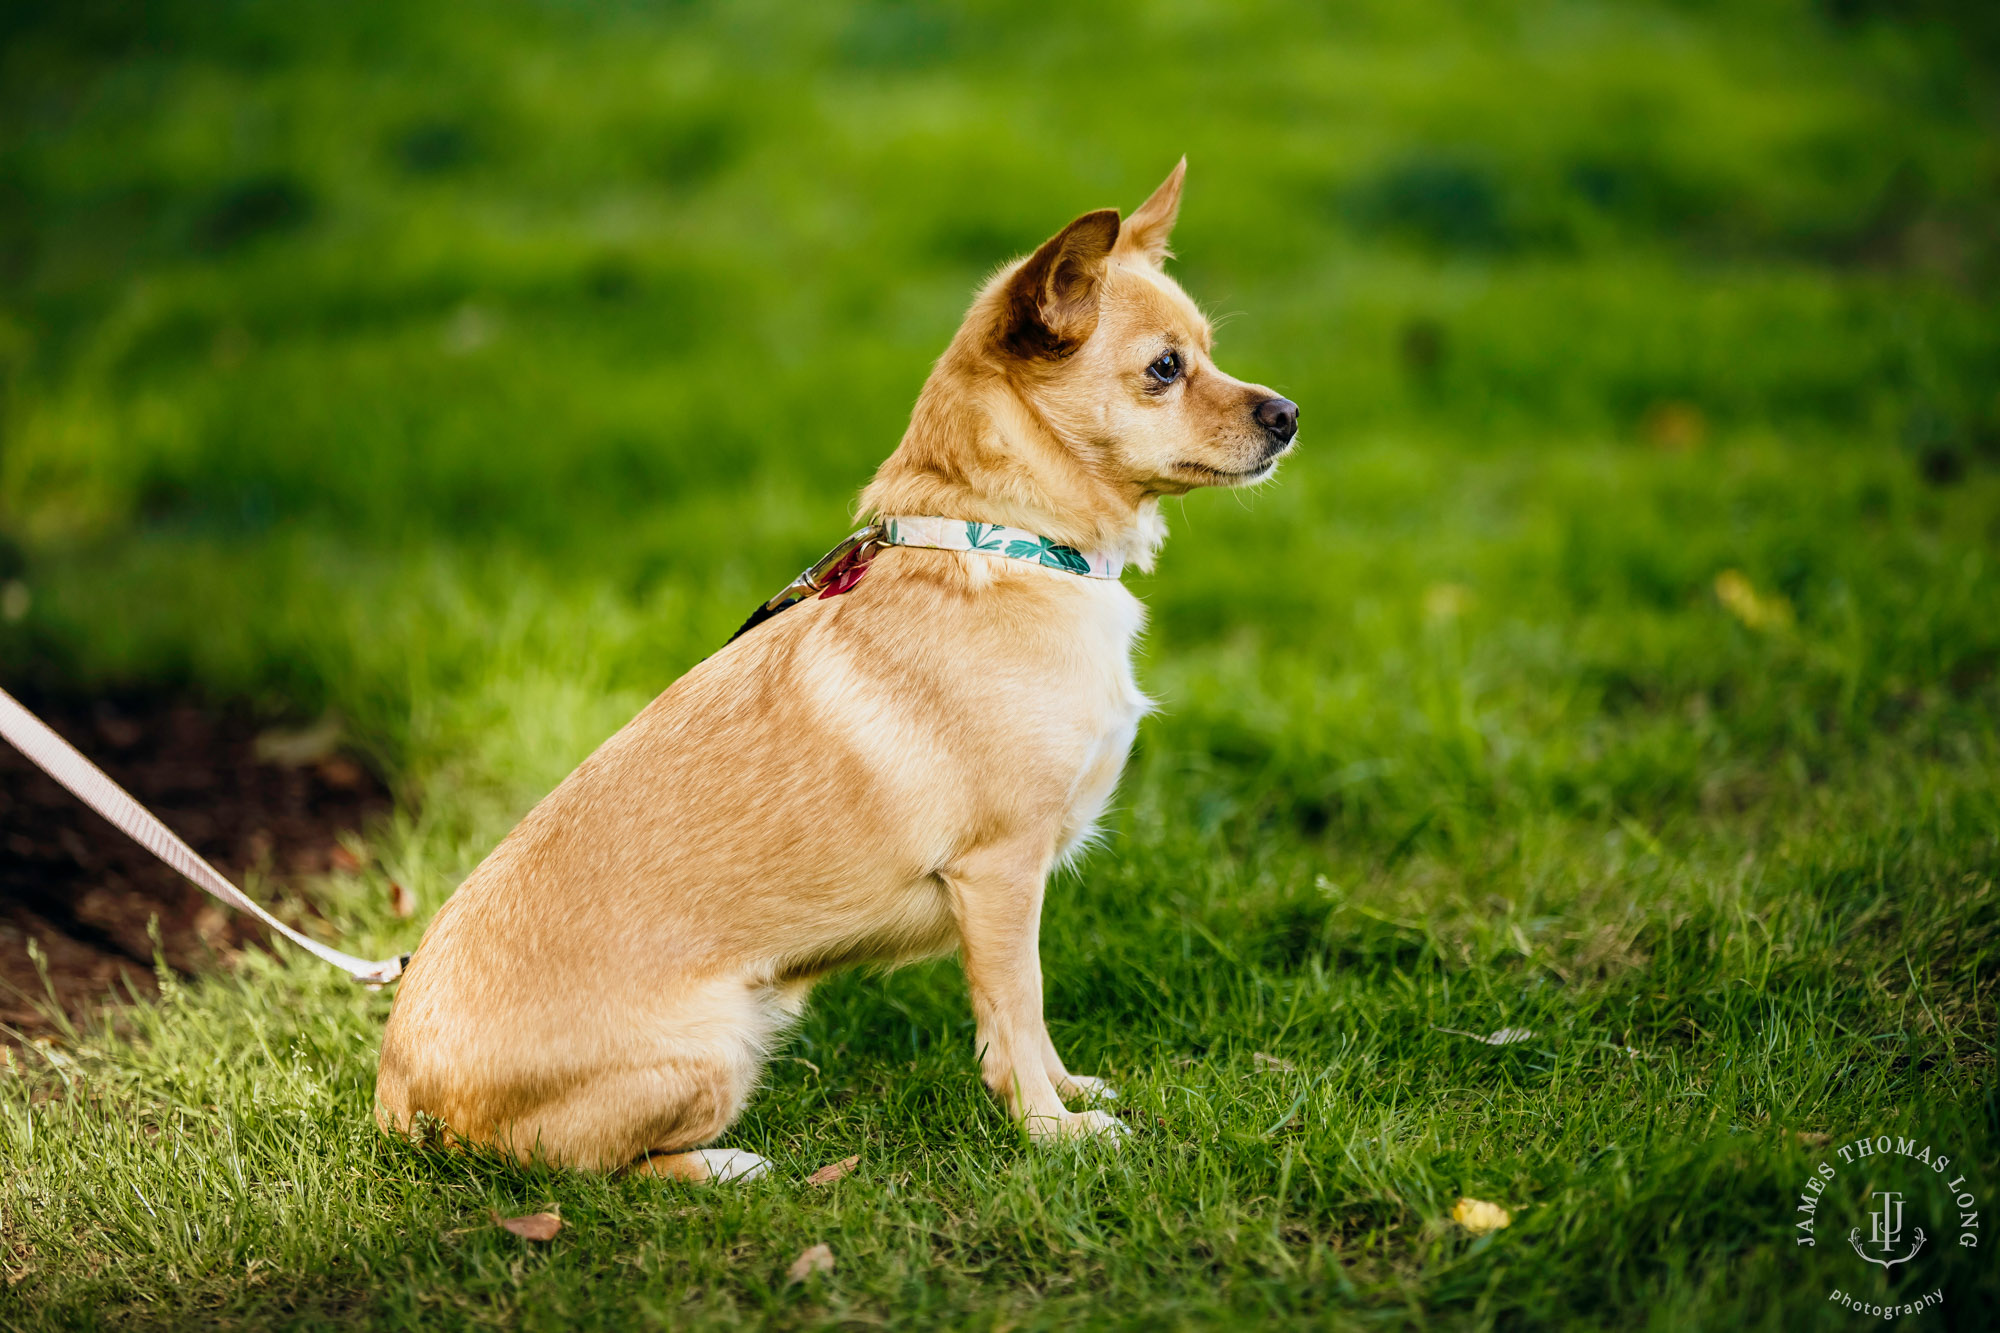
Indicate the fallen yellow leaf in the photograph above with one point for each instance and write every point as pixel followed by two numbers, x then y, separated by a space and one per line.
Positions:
pixel 826 1175
pixel 1480 1217
pixel 296 749
pixel 535 1226
pixel 1754 609
pixel 1446 601
pixel 1674 426
pixel 817 1259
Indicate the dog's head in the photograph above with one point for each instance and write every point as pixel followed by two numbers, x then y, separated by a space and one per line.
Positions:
pixel 1115 360
pixel 1079 390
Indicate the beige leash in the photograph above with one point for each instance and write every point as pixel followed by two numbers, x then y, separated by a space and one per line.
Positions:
pixel 56 757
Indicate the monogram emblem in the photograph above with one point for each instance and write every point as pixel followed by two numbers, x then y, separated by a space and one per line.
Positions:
pixel 1885 1232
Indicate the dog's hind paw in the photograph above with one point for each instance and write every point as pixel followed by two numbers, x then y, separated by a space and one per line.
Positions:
pixel 733 1163
pixel 704 1164
pixel 1089 1089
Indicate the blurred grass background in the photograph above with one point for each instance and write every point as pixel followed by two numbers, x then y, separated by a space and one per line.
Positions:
pixel 1619 649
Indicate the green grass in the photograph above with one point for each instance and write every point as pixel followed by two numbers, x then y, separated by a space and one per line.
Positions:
pixel 471 373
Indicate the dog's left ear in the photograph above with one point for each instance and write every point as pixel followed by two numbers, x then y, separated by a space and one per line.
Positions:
pixel 1052 299
pixel 1145 233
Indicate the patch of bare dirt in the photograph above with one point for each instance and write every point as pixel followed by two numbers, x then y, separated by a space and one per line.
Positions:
pixel 84 892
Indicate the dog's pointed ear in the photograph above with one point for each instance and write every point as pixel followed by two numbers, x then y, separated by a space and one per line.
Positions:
pixel 1145 233
pixel 1052 299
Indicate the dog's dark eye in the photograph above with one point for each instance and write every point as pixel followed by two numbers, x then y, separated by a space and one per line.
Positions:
pixel 1167 369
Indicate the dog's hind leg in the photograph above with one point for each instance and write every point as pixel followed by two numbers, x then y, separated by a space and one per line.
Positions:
pixel 672 1086
pixel 609 1119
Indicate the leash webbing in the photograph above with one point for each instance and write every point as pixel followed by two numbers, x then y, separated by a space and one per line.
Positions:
pixel 61 761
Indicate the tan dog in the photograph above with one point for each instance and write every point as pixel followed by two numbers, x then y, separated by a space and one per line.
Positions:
pixel 876 777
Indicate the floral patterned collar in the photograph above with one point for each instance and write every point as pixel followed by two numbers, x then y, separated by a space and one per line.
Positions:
pixel 954 534
pixel 841 568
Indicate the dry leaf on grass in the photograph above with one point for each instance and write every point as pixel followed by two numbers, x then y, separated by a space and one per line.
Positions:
pixel 297 748
pixel 401 901
pixel 826 1175
pixel 1674 426
pixel 1263 1061
pixel 1446 601
pixel 818 1259
pixel 1504 1037
pixel 1756 610
pixel 1480 1217
pixel 340 771
pixel 534 1226
pixel 211 923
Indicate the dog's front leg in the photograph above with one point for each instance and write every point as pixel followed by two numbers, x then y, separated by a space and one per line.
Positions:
pixel 997 897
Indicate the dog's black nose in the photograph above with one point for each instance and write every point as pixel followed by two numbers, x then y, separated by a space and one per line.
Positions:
pixel 1280 416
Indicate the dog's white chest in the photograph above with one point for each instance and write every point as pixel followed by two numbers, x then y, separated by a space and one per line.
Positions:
pixel 1110 693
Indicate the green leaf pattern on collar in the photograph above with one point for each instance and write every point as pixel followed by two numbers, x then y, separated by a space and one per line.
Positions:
pixel 952 534
pixel 1053 554
pixel 983 536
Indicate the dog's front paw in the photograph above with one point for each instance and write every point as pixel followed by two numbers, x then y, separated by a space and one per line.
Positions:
pixel 1076 1126
pixel 1103 1125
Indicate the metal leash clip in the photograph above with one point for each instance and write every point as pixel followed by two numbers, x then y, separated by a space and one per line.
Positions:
pixel 829 576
